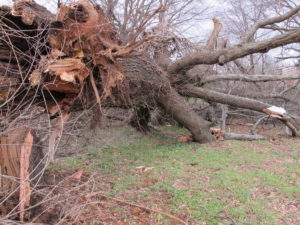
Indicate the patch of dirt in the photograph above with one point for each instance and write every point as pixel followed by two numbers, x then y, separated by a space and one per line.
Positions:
pixel 287 209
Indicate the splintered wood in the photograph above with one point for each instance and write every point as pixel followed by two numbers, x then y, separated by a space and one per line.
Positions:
pixel 15 151
pixel 24 194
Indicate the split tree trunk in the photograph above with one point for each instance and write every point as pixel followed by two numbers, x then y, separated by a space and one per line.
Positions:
pixel 20 163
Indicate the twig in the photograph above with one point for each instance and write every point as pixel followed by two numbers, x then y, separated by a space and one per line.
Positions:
pixel 96 92
pixel 139 206
pixel 124 51
pixel 253 130
pixel 248 36
pixel 140 28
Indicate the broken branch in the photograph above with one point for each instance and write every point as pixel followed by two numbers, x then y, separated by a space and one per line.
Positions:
pixel 249 78
pixel 247 37
pixel 229 54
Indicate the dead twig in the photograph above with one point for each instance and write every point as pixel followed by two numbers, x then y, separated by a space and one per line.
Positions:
pixel 135 205
pixel 141 27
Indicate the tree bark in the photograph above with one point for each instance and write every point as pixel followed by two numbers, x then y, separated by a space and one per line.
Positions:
pixel 249 78
pixel 149 86
pixel 178 108
pixel 229 54
pixel 243 137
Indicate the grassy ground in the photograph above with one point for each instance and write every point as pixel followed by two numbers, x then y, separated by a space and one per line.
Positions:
pixel 230 182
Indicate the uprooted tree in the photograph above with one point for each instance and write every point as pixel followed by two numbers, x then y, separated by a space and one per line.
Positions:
pixel 77 60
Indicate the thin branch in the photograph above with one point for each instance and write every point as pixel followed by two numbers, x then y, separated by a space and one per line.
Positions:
pixel 248 36
pixel 289 57
pixel 229 54
pixel 249 78
pixel 96 92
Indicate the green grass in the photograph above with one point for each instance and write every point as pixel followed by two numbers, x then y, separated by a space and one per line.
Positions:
pixel 217 185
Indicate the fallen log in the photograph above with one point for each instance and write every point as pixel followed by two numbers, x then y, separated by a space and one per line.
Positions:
pixel 243 137
pixel 293 122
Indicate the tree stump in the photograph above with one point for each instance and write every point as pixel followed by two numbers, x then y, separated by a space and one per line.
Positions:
pixel 19 159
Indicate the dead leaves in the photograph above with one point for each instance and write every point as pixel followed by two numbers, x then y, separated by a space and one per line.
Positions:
pixel 185 139
pixel 144 169
pixel 77 175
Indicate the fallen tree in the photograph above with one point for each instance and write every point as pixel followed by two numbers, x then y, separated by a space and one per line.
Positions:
pixel 53 58
pixel 74 60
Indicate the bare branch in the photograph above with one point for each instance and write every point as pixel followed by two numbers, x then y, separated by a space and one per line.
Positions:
pixel 238 51
pixel 232 100
pixel 244 137
pixel 249 78
pixel 291 121
pixel 248 36
pixel 289 57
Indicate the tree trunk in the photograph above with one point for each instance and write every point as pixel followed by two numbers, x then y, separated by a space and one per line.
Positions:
pixel 292 122
pixel 149 85
pixel 178 108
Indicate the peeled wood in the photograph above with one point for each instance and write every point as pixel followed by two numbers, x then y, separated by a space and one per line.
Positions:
pixel 25 190
pixel 10 152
